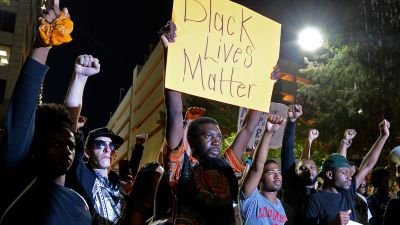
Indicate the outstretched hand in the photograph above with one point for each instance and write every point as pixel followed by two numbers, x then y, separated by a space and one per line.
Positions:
pixel 274 122
pixel 168 33
pixel 87 65
pixel 294 112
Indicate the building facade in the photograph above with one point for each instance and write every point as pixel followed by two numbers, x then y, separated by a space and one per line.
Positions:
pixel 142 110
pixel 17 30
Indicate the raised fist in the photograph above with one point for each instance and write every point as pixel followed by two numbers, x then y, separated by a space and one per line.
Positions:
pixel 54 13
pixel 274 122
pixel 87 65
pixel 275 73
pixel 294 112
pixel 141 138
pixel 384 127
pixel 349 134
pixel 168 33
pixel 313 134
pixel 194 112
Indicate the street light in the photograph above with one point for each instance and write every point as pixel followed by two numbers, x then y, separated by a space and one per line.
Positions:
pixel 310 39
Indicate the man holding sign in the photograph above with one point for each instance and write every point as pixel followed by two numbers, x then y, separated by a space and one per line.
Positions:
pixel 204 183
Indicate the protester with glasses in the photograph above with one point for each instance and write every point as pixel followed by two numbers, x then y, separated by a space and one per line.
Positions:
pixel 90 174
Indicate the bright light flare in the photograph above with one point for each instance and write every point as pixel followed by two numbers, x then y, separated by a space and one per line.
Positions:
pixel 310 39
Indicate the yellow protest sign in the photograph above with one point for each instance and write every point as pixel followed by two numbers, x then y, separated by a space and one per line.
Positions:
pixel 224 52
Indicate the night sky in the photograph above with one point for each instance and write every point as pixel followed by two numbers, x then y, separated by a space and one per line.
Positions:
pixel 119 33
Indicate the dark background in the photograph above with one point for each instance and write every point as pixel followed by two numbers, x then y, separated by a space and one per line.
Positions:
pixel 120 33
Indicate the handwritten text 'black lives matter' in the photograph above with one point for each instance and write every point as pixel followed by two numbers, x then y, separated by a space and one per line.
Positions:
pixel 240 55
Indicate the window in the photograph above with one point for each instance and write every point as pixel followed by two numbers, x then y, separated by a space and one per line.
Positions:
pixel 2 90
pixel 4 55
pixel 7 21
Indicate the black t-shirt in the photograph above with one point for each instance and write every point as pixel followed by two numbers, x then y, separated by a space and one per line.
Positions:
pixel 323 206
pixel 295 194
pixel 392 212
pixel 294 190
pixel 48 204
pixel 377 204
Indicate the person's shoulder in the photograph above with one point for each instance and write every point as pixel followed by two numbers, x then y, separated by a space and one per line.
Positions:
pixel 320 194
pixel 254 195
pixel 392 207
pixel 394 202
pixel 280 203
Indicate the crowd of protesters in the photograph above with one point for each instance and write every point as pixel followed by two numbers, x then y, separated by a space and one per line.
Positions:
pixel 52 174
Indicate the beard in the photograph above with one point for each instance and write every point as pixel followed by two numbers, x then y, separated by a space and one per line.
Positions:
pixel 308 180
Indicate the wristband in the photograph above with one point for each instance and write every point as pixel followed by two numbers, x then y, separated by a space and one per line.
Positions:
pixel 346 142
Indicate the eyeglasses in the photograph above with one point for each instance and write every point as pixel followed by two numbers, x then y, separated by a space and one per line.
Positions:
pixel 102 145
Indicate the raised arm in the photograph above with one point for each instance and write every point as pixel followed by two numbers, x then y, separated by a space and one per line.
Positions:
pixel 174 129
pixel 167 35
pixel 312 135
pixel 15 147
pixel 85 66
pixel 191 114
pixel 253 177
pixel 137 153
pixel 243 136
pixel 44 42
pixel 372 156
pixel 348 136
pixel 173 99
pixel 287 154
pixel 250 123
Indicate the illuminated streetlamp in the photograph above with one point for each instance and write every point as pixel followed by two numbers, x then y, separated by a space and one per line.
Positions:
pixel 310 39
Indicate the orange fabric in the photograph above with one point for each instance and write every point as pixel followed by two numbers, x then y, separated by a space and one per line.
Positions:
pixel 173 160
pixel 57 32
pixel 235 163
pixel 211 185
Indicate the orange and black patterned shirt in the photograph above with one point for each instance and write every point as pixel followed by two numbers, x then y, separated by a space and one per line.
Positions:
pixel 205 191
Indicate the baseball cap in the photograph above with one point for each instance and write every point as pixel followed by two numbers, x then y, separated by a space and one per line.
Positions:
pixel 395 155
pixel 333 161
pixel 104 132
